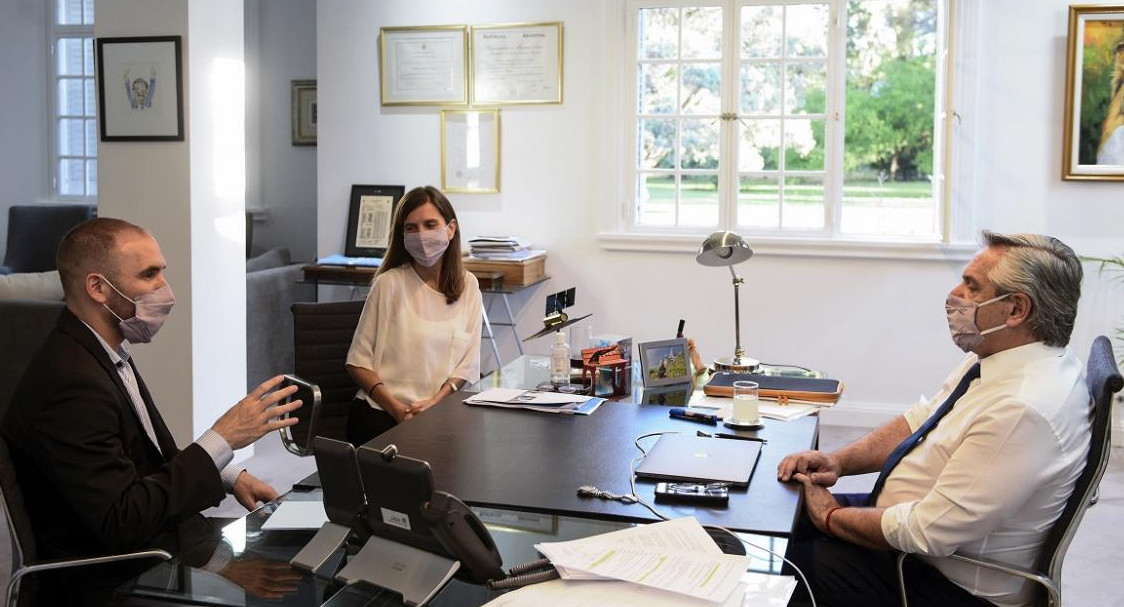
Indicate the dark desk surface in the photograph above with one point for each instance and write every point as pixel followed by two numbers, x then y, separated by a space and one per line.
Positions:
pixel 534 461
pixel 259 558
pixel 362 275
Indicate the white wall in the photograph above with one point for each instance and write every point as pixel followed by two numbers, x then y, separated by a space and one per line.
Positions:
pixel 878 324
pixel 23 106
pixel 281 45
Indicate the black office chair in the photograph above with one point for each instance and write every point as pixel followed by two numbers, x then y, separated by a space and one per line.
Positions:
pixel 24 560
pixel 322 335
pixel 34 232
pixel 1104 379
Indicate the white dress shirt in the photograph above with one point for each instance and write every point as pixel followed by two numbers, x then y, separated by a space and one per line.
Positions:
pixel 996 472
pixel 413 339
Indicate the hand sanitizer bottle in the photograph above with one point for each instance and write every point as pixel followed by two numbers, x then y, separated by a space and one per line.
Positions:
pixel 560 360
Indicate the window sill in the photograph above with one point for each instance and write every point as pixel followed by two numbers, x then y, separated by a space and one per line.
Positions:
pixel 795 247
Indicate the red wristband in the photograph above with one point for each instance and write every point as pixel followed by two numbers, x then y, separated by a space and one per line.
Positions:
pixel 827 520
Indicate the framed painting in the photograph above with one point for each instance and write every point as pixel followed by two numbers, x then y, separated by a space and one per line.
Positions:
pixel 304 112
pixel 1094 104
pixel 140 88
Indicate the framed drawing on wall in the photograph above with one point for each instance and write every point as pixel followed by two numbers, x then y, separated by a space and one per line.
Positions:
pixel 470 151
pixel 1094 104
pixel 369 219
pixel 517 63
pixel 140 89
pixel 304 112
pixel 424 65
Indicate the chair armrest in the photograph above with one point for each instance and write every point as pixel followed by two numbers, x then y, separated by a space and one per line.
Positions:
pixel 50 564
pixel 1034 576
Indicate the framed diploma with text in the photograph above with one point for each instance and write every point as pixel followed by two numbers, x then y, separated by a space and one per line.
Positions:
pixel 517 63
pixel 424 65
pixel 369 219
pixel 470 151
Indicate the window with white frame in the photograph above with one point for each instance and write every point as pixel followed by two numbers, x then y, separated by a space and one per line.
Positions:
pixel 787 117
pixel 73 101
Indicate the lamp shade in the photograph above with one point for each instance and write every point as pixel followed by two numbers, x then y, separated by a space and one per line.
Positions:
pixel 723 249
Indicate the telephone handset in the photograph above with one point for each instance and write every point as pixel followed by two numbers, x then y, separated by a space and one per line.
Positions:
pixel 464 537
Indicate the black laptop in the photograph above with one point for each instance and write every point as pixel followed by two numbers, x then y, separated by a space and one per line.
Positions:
pixel 701 459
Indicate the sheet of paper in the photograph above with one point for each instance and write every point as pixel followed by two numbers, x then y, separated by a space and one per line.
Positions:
pixel 296 515
pixel 755 590
pixel 710 577
pixel 526 397
pixel 685 534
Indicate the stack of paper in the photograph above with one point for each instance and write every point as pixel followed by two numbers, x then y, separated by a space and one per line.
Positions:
pixel 550 402
pixel 502 247
pixel 673 562
pixel 767 407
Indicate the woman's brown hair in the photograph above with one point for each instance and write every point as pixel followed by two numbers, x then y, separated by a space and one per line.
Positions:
pixel 451 280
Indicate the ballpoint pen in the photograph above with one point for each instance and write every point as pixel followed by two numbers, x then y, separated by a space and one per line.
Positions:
pixel 733 436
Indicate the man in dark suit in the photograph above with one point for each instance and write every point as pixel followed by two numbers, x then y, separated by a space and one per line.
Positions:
pixel 98 467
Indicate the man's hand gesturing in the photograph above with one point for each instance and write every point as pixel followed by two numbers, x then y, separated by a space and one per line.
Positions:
pixel 257 414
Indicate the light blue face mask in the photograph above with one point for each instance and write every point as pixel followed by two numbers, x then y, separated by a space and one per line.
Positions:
pixel 962 321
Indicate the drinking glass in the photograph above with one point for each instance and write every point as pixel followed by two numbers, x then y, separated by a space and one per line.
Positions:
pixel 745 403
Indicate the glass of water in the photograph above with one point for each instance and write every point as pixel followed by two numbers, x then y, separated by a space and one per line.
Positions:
pixel 745 409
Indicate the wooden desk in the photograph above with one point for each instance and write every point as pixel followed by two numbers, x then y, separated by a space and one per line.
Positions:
pixel 527 460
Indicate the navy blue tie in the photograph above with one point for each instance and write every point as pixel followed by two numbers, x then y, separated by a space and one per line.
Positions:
pixel 914 439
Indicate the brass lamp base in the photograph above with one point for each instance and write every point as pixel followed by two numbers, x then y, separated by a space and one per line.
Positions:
pixel 737 364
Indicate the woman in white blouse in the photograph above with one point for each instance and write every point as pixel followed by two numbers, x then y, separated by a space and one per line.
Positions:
pixel 418 339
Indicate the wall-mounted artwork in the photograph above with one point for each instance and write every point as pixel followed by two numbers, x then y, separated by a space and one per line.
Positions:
pixel 140 89
pixel 305 115
pixel 1094 107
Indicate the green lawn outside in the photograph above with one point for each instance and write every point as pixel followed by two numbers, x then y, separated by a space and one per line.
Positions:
pixel 857 193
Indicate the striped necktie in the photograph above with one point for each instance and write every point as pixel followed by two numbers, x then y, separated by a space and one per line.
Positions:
pixel 914 439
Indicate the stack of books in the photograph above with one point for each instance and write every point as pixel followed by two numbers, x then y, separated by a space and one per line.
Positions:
pixel 509 248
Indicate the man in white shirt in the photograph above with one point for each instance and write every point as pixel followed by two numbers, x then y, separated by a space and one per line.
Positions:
pixel 983 468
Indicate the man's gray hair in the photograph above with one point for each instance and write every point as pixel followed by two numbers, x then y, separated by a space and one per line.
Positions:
pixel 1047 271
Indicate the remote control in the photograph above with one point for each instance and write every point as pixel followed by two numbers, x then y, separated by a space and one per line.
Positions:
pixel 692 493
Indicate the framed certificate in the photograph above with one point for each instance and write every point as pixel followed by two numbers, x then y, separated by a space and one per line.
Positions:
pixel 424 65
pixel 370 218
pixel 470 151
pixel 517 63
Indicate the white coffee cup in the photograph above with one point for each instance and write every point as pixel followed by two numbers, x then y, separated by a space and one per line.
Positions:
pixel 746 404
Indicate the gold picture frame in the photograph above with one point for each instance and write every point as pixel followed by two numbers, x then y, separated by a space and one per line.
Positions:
pixel 470 151
pixel 1094 102
pixel 305 115
pixel 517 63
pixel 424 65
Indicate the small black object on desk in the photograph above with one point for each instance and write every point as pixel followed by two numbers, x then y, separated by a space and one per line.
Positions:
pixel 694 416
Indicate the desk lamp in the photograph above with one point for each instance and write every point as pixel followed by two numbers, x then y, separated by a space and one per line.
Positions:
pixel 728 249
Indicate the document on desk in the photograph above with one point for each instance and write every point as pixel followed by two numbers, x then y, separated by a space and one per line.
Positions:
pixel 677 556
pixel 550 402
pixel 756 589
pixel 768 407
pixel 296 515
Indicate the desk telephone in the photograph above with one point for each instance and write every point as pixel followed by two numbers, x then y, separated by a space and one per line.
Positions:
pixel 391 496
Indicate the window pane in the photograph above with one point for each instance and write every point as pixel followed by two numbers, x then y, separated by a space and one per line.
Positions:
pixel 657 144
pixel 702 33
pixel 88 56
pixel 805 89
pixel 803 202
pixel 657 200
pixel 803 145
pixel 92 138
pixel 889 126
pixel 88 12
pixel 72 96
pixel 72 140
pixel 700 144
pixel 759 145
pixel 759 202
pixel 91 177
pixel 91 97
pixel 70 57
pixel 69 12
pixel 699 200
pixel 657 88
pixel 72 177
pixel 807 30
pixel 659 33
pixel 761 31
pixel 702 89
pixel 761 88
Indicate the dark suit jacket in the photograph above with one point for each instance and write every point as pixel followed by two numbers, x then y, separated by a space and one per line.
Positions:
pixel 92 481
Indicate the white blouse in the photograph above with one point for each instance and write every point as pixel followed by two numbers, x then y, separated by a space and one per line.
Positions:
pixel 413 339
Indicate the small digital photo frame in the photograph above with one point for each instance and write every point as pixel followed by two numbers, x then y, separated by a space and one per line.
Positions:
pixel 664 362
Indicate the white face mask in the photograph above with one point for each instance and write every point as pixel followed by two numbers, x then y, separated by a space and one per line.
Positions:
pixel 426 247
pixel 962 321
